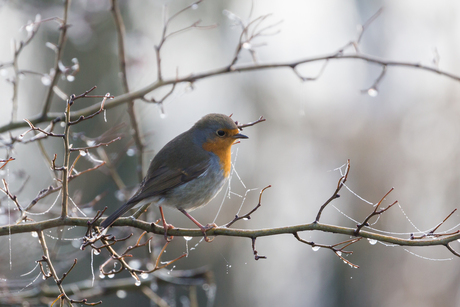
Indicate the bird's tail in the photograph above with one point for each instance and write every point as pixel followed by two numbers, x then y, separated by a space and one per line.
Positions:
pixel 114 216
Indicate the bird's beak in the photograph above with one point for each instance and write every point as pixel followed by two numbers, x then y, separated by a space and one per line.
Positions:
pixel 240 136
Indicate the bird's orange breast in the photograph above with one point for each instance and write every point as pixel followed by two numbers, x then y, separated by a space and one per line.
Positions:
pixel 222 147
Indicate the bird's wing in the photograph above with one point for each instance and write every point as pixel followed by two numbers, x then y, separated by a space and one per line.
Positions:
pixel 159 181
pixel 163 179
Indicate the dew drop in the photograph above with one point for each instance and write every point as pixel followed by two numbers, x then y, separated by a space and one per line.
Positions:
pixel 96 252
pixel 101 276
pixel 46 80
pixel 245 219
pixel 111 275
pixel 372 241
pixel 82 153
pixel 75 243
pixel 137 283
pixel 34 234
pixel 131 152
pixel 194 6
pixel 30 26
pixel 135 264
pixel 70 78
pixel 119 195
pixel 144 275
pixel 246 45
pixel 372 92
pixel 187 238
pixel 121 294
pixel 339 253
pixel 315 248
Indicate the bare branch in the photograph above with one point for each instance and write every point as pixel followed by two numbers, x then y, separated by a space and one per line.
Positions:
pixel 432 232
pixel 5 162
pixel 337 248
pixel 256 254
pixel 120 26
pixel 241 126
pixel 376 212
pixel 247 216
pixel 335 195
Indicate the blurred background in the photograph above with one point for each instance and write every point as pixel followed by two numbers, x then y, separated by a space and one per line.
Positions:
pixel 405 135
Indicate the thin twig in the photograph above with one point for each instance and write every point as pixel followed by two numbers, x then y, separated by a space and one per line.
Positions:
pixel 376 212
pixel 335 195
pixel 248 215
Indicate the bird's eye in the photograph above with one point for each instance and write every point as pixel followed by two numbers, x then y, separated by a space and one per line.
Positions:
pixel 220 133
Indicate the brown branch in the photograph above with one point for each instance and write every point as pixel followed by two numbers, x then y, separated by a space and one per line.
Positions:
pixel 125 266
pixel 82 117
pixel 256 254
pixel 85 149
pixel 5 162
pixel 248 215
pixel 87 170
pixel 223 231
pixel 241 126
pixel 11 196
pixel 376 212
pixel 337 251
pixel 432 232
pixel 52 273
pixel 165 35
pixel 59 50
pixel 119 100
pixel 373 90
pixel 120 27
pixel 335 195
pixel 452 250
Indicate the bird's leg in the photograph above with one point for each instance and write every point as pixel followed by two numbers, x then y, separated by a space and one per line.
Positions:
pixel 166 226
pixel 203 228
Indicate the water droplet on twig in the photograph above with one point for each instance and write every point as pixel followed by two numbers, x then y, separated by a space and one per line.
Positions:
pixel 372 92
pixel 372 241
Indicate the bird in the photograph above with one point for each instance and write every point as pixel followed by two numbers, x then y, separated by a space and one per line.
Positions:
pixel 188 172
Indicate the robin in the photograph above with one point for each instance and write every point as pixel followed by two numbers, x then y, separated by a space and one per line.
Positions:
pixel 189 171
